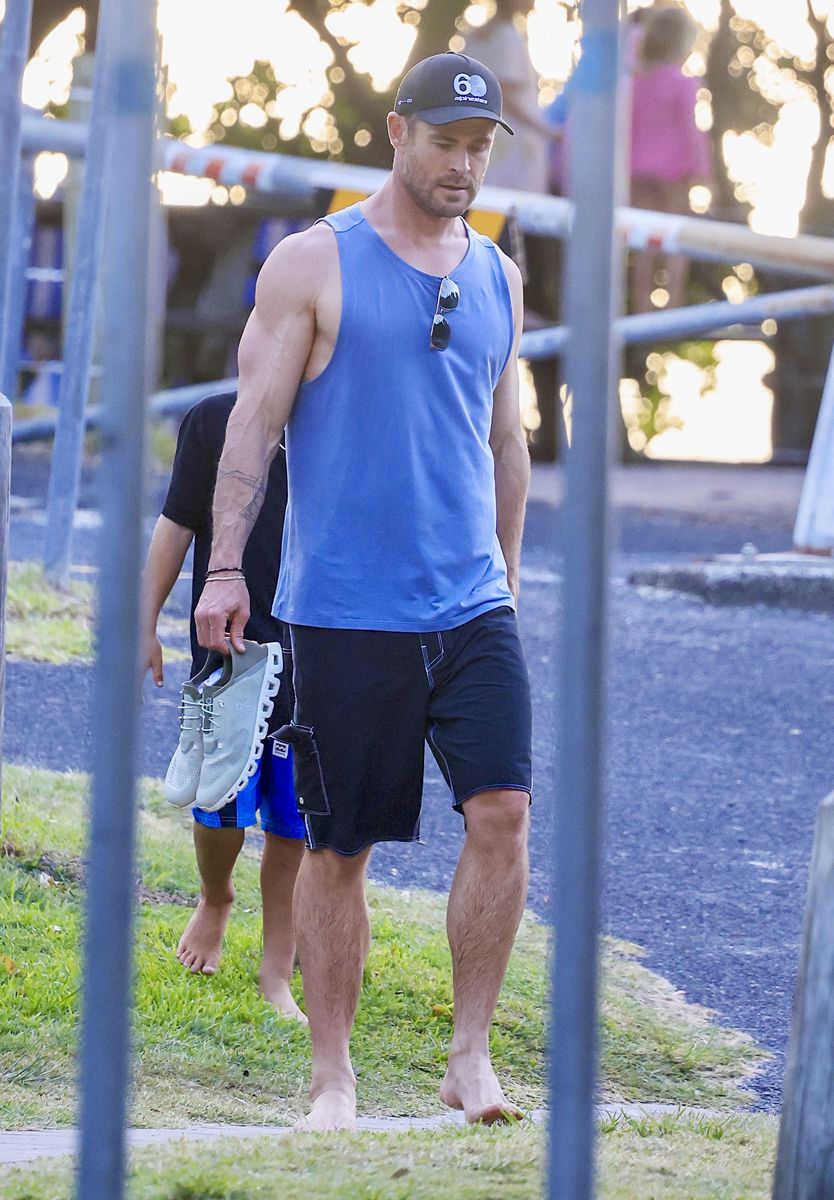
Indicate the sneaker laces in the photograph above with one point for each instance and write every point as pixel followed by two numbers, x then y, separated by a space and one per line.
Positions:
pixel 208 718
pixel 190 715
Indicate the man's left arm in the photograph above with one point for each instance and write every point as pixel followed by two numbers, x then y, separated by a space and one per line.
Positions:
pixel 509 448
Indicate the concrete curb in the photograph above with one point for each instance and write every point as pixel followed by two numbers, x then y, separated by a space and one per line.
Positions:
pixel 29 1145
pixel 779 581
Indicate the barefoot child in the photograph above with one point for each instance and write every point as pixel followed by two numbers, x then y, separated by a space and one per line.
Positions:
pixel 218 836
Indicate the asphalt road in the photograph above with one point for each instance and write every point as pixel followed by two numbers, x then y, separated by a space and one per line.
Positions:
pixel 719 746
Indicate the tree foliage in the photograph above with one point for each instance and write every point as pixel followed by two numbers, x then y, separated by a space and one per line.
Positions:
pixel 750 78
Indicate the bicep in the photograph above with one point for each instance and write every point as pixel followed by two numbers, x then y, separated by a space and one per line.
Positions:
pixel 272 354
pixel 279 335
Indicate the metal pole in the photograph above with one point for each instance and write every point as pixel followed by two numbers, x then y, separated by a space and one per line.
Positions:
pixel 80 325
pixel 172 402
pixel 108 958
pixel 805 1157
pixel 672 324
pixel 5 488
pixel 14 46
pixel 24 215
pixel 592 294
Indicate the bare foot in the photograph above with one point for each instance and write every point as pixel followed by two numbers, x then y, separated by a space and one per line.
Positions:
pixel 276 990
pixel 470 1084
pixel 333 1109
pixel 199 946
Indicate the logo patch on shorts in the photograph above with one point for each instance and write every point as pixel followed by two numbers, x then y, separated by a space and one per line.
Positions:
pixel 280 749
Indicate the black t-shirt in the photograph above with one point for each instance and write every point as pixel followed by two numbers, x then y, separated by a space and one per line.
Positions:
pixel 189 501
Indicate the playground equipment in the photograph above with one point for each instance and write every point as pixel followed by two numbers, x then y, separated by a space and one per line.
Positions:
pixel 595 231
pixel 317 186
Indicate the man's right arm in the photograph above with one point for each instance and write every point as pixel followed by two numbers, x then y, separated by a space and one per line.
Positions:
pixel 272 357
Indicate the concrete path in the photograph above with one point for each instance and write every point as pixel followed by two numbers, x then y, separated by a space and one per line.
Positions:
pixel 28 1145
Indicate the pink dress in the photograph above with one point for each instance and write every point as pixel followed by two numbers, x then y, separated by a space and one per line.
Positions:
pixel 666 143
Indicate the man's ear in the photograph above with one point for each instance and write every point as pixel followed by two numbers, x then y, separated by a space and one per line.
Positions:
pixel 397 130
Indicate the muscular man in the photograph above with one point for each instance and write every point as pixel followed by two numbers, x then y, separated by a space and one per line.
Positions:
pixel 385 339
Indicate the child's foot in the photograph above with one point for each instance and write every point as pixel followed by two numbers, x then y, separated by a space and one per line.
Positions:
pixel 276 989
pixel 202 939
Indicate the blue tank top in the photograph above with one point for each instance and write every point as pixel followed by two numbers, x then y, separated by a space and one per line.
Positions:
pixel 391 517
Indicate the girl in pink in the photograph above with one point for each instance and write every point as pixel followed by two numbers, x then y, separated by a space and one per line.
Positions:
pixel 669 153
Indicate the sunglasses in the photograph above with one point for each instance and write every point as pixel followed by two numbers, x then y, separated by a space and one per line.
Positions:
pixel 447 301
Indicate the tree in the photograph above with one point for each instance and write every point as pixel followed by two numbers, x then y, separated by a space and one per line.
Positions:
pixel 46 14
pixel 740 102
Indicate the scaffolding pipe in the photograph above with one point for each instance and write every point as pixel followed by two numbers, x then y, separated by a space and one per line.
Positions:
pixel 639 229
pixel 80 326
pixel 24 217
pixel 695 320
pixel 105 1041
pixel 669 324
pixel 593 296
pixel 14 46
pixel 170 403
pixel 5 508
pixel 40 133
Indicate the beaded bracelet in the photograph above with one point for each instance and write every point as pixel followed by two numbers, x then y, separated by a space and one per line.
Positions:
pixel 223 570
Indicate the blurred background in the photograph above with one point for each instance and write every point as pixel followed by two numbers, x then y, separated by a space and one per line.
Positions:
pixel 316 78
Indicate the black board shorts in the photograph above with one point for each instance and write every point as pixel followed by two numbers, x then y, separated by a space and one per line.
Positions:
pixel 367 702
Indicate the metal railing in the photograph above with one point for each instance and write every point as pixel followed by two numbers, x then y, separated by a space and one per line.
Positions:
pixel 594 233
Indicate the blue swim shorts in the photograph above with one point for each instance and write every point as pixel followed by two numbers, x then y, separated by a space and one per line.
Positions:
pixel 269 794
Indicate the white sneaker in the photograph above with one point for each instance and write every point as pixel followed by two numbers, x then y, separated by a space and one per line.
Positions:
pixel 235 715
pixel 183 775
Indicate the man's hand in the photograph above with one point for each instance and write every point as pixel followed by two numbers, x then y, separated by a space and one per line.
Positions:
pixel 223 604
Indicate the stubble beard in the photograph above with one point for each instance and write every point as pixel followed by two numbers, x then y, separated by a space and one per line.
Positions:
pixel 425 195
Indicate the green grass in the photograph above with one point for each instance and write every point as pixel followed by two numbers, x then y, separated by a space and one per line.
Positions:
pixel 677 1159
pixel 210 1049
pixel 45 623
pixel 54 625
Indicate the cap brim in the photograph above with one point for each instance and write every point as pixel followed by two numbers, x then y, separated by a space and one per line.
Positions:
pixel 445 116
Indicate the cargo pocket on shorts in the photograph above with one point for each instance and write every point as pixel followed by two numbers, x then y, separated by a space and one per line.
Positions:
pixel 310 792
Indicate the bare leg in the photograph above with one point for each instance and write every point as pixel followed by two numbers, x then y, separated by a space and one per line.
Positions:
pixel 645 193
pixel 645 264
pixel 217 851
pixel 334 933
pixel 677 266
pixel 279 867
pixel 674 198
pixel 485 907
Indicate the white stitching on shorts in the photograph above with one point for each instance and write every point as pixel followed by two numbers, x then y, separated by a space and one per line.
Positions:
pixel 449 779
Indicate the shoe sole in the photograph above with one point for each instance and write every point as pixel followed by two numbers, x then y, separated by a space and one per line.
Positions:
pixel 266 703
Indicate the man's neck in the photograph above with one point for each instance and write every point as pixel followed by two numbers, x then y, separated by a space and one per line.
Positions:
pixel 393 208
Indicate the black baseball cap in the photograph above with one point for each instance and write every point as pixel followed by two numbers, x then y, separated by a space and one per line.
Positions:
pixel 450 87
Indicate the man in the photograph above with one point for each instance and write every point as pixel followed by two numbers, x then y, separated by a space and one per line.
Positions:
pixel 218 836
pixel 385 339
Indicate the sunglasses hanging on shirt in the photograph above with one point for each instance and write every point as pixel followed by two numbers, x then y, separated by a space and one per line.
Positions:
pixel 448 297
